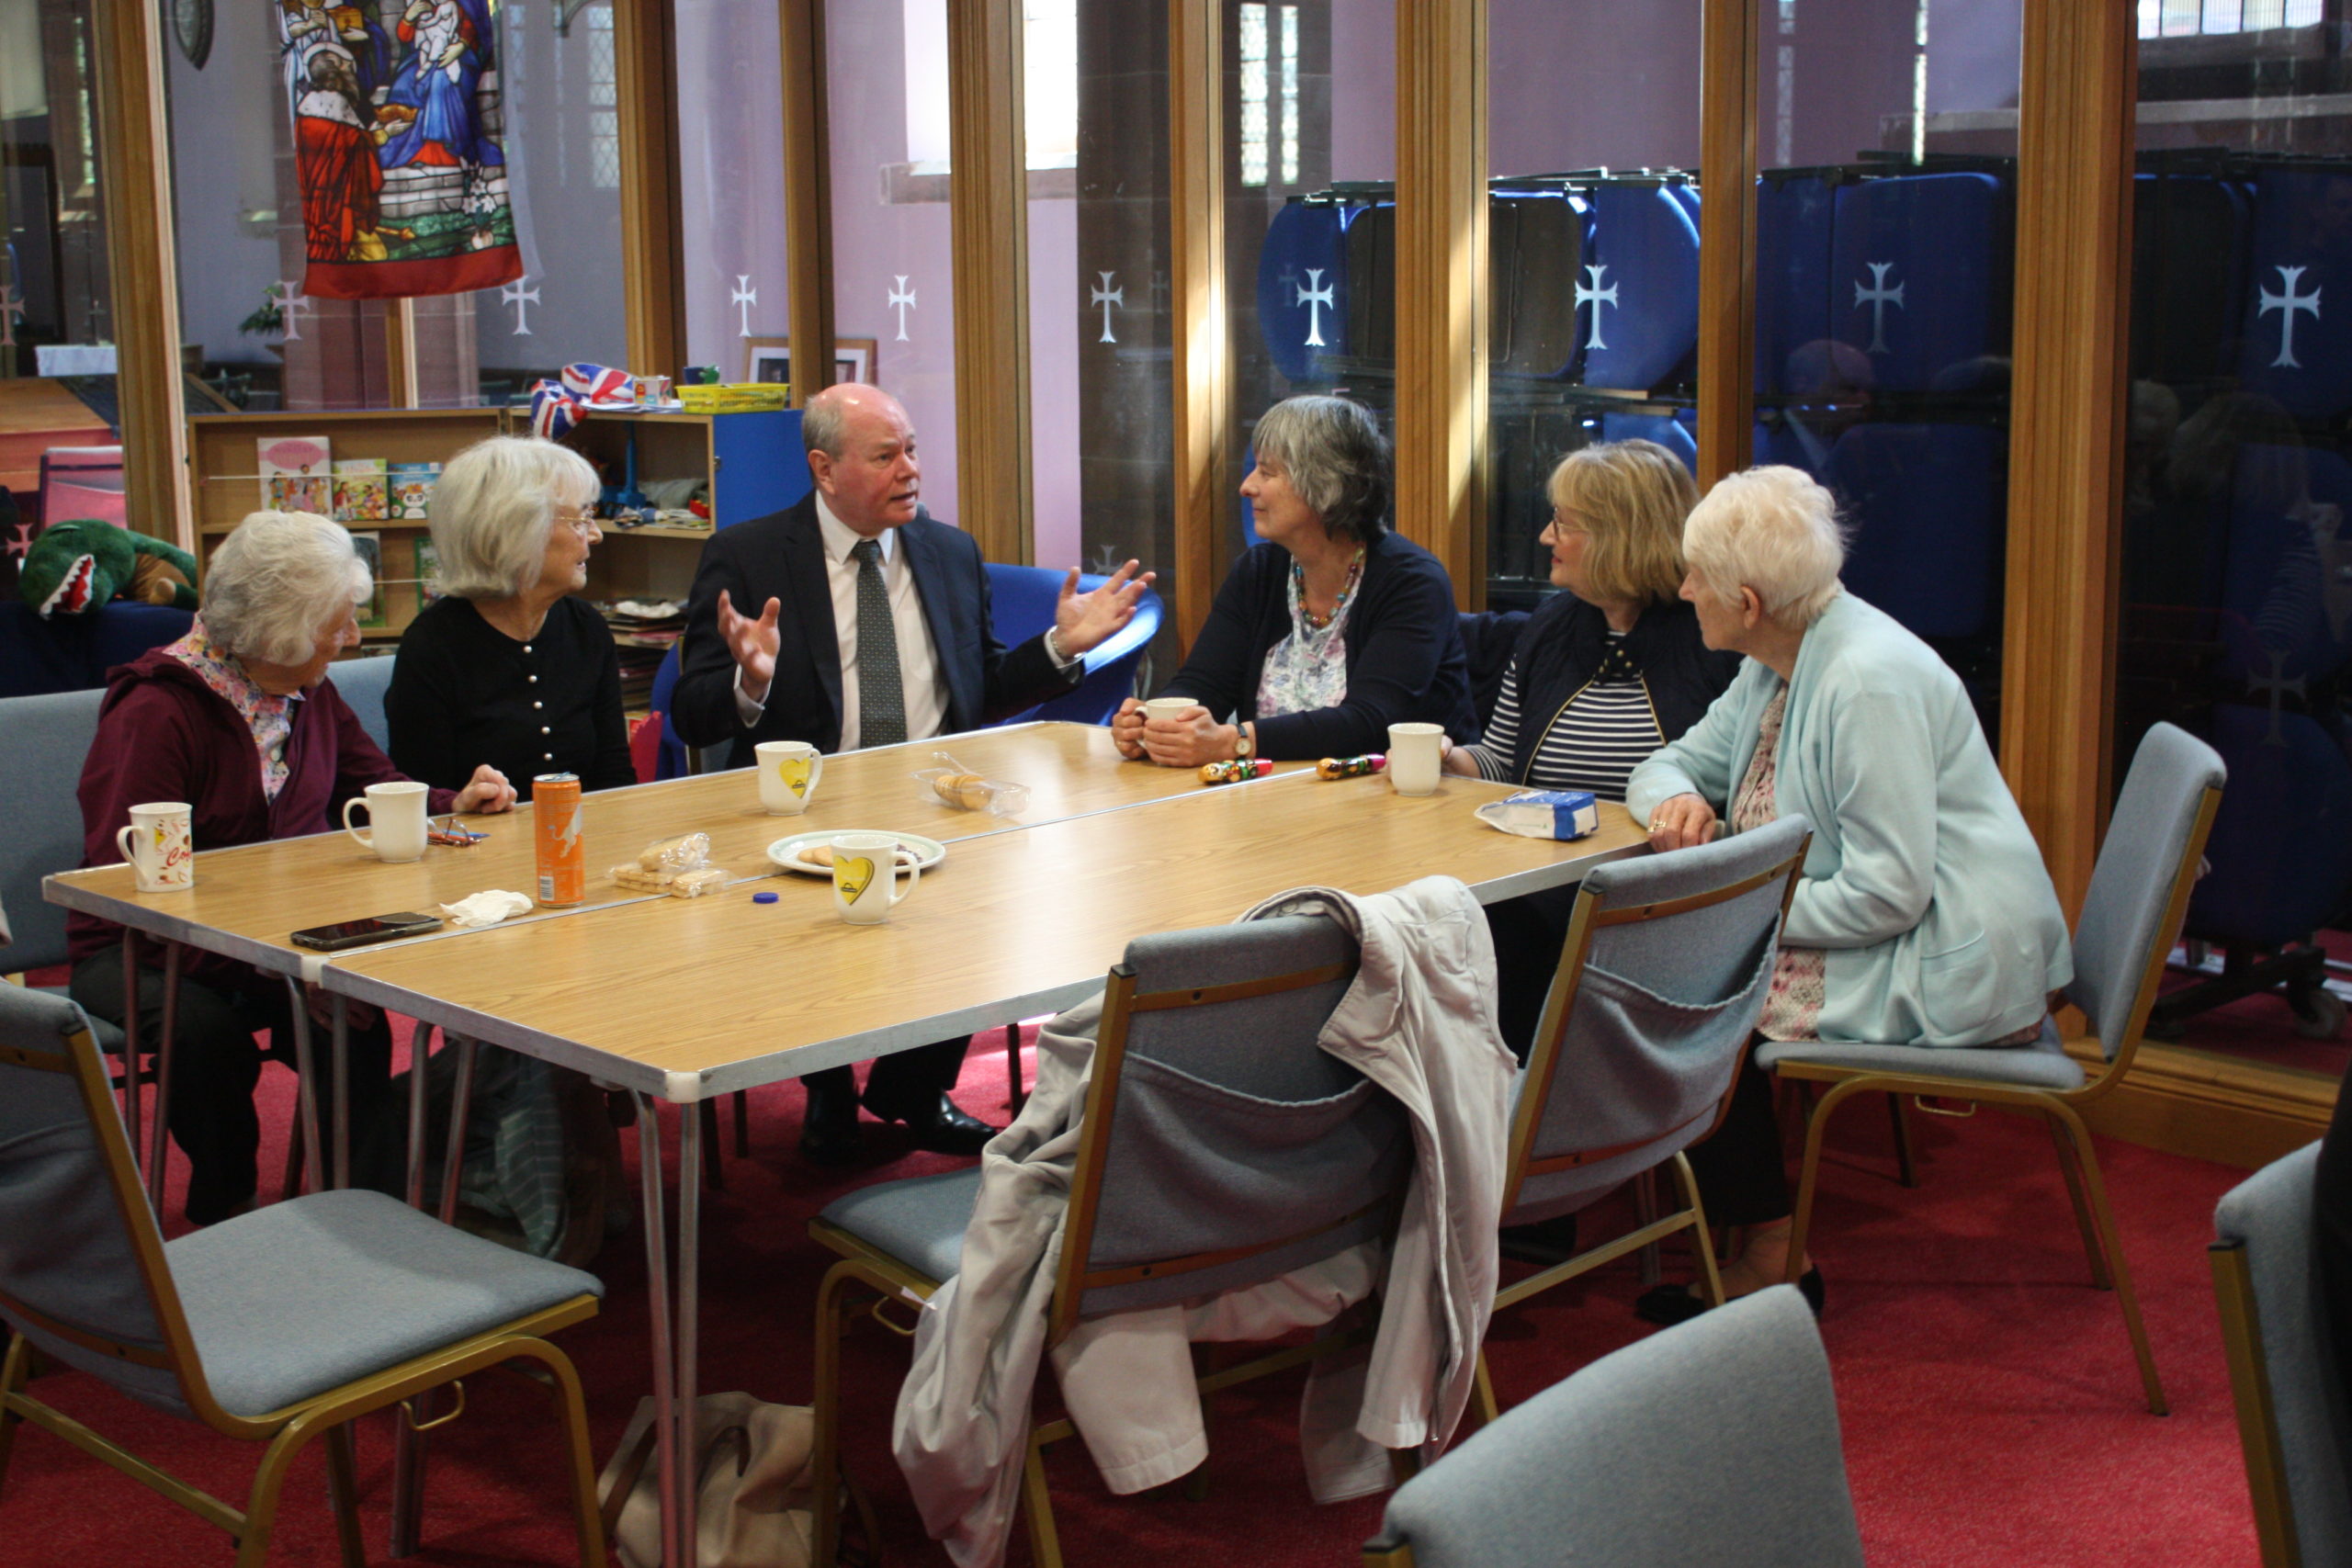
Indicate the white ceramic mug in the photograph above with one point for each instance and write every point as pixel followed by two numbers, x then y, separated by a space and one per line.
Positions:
pixel 1169 707
pixel 158 846
pixel 395 820
pixel 864 886
pixel 1413 759
pixel 788 774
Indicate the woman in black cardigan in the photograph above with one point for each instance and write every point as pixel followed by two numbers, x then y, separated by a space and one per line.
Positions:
pixel 1603 675
pixel 1330 630
pixel 507 665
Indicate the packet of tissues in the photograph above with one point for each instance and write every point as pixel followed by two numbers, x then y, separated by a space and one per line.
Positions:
pixel 487 908
pixel 1543 813
pixel 952 784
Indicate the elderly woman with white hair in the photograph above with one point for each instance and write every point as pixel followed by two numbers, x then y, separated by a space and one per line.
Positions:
pixel 1925 915
pixel 238 719
pixel 1330 629
pixel 507 666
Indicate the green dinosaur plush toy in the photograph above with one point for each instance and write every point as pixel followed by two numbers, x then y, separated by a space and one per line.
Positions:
pixel 73 568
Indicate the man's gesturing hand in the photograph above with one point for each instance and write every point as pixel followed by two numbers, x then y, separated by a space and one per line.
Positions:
pixel 753 643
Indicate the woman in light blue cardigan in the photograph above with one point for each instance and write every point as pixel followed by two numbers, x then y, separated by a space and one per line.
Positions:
pixel 1925 915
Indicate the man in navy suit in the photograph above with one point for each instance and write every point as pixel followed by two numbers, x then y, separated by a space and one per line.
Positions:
pixel 874 630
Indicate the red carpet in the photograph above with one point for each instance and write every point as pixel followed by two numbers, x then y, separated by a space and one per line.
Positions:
pixel 1991 1412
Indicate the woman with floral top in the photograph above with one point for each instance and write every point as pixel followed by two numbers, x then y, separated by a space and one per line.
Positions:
pixel 1327 631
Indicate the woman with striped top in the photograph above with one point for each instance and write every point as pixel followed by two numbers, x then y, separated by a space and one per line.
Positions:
pixel 1603 675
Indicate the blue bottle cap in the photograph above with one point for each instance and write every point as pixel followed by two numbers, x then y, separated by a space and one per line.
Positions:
pixel 763 897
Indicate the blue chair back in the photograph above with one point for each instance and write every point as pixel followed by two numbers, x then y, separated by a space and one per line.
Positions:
pixel 1303 285
pixel 1793 222
pixel 1020 605
pixel 1665 429
pixel 2270 887
pixel 362 682
pixel 48 736
pixel 670 761
pixel 1536 242
pixel 1941 241
pixel 73 653
pixel 1927 502
pixel 2292 348
pixel 1638 292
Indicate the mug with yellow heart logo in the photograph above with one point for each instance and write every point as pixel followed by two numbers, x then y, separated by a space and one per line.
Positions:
pixel 788 774
pixel 863 888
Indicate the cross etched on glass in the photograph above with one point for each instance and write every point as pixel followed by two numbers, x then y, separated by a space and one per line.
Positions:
pixel 1315 297
pixel 902 299
pixel 1878 297
pixel 519 294
pixel 743 298
pixel 1596 296
pixel 2286 301
pixel 1106 297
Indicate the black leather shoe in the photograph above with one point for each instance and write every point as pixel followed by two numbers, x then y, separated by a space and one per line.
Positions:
pixel 1666 1305
pixel 946 1129
pixel 829 1134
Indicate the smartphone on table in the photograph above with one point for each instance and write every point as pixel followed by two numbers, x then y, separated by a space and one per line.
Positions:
pixel 359 934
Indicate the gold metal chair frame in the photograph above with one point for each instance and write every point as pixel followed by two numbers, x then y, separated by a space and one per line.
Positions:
pixel 867 1267
pixel 2061 1109
pixel 1592 913
pixel 284 1430
pixel 2265 1460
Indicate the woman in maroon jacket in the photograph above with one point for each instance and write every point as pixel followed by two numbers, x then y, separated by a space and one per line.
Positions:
pixel 238 719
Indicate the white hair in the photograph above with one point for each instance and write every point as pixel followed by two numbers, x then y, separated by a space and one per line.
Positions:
pixel 491 509
pixel 1771 529
pixel 275 579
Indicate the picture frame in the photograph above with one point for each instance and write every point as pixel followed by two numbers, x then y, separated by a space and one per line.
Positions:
pixel 770 359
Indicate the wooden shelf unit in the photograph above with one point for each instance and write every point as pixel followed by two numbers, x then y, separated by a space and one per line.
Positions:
pixel 225 475
pixel 753 462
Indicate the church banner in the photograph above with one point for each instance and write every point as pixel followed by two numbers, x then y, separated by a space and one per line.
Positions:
pixel 397 128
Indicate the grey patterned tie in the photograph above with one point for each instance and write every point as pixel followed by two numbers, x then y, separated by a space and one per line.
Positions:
pixel 881 699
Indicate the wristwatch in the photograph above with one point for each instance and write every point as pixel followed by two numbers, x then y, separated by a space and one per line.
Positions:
pixel 1244 746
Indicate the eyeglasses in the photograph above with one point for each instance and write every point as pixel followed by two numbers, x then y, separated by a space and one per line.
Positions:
pixel 581 521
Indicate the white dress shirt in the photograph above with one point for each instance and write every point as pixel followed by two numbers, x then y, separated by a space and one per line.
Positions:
pixel 924 688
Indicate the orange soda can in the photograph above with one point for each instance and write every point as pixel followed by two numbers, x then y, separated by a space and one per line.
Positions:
pixel 1235 772
pixel 562 858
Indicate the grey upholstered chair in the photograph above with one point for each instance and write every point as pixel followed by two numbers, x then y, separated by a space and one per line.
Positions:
pixel 1712 1442
pixel 2291 1418
pixel 2139 892
pixel 362 682
pixel 47 737
pixel 277 1326
pixel 1663 972
pixel 1221 1148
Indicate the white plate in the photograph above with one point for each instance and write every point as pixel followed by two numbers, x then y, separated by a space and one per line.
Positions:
pixel 784 854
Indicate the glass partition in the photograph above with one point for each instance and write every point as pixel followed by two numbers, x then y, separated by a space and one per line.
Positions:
pixel 894 291
pixel 2236 621
pixel 1310 175
pixel 1884 254
pixel 542 78
pixel 730 189
pixel 57 358
pixel 1593 233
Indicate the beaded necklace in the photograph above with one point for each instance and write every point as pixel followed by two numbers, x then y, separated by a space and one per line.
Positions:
pixel 1298 581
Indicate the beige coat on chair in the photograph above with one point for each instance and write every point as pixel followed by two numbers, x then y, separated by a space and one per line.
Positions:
pixel 1419 1022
